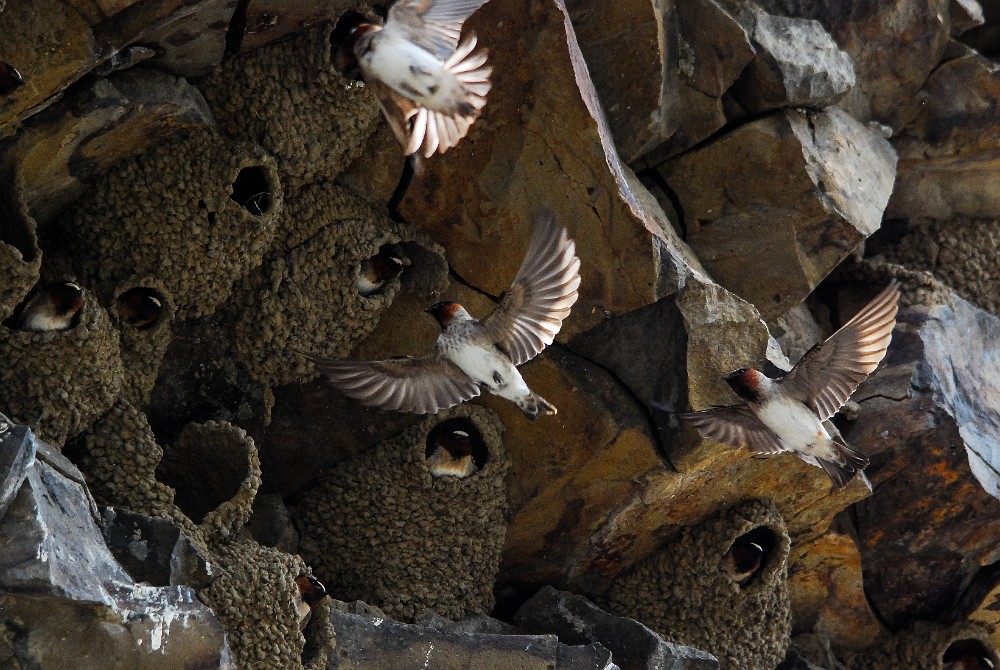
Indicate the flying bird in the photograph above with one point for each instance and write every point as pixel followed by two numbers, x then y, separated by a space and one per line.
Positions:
pixel 430 87
pixel 787 414
pixel 54 307
pixel 451 455
pixel 471 355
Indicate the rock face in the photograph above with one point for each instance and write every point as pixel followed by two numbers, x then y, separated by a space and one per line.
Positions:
pixel 60 585
pixel 725 168
pixel 929 415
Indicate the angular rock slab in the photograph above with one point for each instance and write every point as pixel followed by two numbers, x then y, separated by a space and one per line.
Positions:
pixel 576 620
pixel 928 419
pixel 894 46
pixel 89 131
pixel 772 240
pixel 640 100
pixel 66 602
pixel 825 589
pixel 797 64
pixel 542 139
pixel 366 641
pixel 949 154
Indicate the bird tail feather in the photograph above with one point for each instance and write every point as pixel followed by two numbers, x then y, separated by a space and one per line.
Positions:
pixel 842 473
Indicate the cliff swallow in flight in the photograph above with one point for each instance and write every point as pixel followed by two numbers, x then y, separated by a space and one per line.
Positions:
pixel 452 455
pixel 743 561
pixel 470 355
pixel 139 308
pixel 10 78
pixel 430 87
pixel 311 591
pixel 787 414
pixel 374 272
pixel 54 307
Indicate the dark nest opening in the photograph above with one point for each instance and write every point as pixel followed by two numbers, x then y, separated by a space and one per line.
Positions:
pixel 442 431
pixel 749 556
pixel 252 190
pixel 970 653
pixel 140 307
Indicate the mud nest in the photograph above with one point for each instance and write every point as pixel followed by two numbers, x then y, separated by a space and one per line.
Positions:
pixel 118 456
pixel 142 311
pixel 307 299
pixel 684 592
pixel 20 257
pixel 383 530
pixel 928 646
pixel 60 382
pixel 289 98
pixel 197 212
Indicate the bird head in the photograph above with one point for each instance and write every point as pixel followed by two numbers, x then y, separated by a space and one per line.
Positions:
pixel 67 298
pixel 310 588
pixel 745 383
pixel 456 442
pixel 445 312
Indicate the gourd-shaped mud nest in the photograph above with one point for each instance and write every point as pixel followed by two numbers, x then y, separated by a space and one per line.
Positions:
pixel 931 646
pixel 289 98
pixel 719 586
pixel 197 212
pixel 142 310
pixel 60 382
pixel 316 295
pixel 383 529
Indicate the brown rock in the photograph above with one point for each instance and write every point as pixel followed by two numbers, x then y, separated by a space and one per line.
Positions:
pixel 947 150
pixel 640 100
pixel 82 136
pixel 541 134
pixel 51 45
pixel 824 584
pixel 836 178
pixel 925 420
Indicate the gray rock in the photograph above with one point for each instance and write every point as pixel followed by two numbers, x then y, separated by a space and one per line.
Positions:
pixel 576 620
pixel 16 456
pixel 368 641
pixel 66 602
pixel 155 551
pixel 797 64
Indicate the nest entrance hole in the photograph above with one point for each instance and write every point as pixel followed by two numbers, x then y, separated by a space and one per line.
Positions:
pixel 970 653
pixel 140 307
pixel 19 234
pixel 480 452
pixel 342 44
pixel 749 555
pixel 252 190
pixel 204 473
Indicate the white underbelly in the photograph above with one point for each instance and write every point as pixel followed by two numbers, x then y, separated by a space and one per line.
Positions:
pixel 414 73
pixel 796 425
pixel 487 368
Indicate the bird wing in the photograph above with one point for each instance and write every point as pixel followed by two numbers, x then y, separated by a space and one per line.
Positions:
pixel 419 385
pixel 433 25
pixel 545 288
pixel 831 371
pixel 398 111
pixel 736 426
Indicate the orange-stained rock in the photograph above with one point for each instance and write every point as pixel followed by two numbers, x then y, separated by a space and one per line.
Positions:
pixel 824 584
pixel 542 139
pixel 928 421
